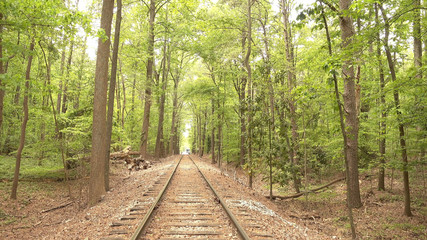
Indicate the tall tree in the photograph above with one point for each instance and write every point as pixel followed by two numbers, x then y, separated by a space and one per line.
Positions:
pixel 350 110
pixel 383 127
pixel 111 91
pixel 250 89
pixel 159 149
pixel 401 127
pixel 286 6
pixel 418 47
pixel 99 123
pixel 24 122
pixel 2 91
pixel 149 80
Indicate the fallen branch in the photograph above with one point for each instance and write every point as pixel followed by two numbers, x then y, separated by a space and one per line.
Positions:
pixel 57 207
pixel 309 191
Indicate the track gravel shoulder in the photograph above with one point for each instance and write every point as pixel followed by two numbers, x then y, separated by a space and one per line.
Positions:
pixel 254 210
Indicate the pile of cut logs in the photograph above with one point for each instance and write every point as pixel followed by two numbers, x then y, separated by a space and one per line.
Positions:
pixel 131 159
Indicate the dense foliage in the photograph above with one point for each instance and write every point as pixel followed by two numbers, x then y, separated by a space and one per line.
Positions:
pixel 249 82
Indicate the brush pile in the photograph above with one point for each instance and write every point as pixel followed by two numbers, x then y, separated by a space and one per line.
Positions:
pixel 131 159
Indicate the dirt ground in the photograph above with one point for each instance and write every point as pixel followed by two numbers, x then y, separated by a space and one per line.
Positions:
pixel 322 215
pixel 380 217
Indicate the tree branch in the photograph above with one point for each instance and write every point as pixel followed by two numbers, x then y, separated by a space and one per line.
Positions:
pixel 330 5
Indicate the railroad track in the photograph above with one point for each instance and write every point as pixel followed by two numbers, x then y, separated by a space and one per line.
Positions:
pixel 183 204
pixel 188 207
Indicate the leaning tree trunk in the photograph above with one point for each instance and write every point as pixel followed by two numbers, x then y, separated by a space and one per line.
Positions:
pixel 24 123
pixel 99 132
pixel 111 93
pixel 407 209
pixel 350 111
pixel 150 63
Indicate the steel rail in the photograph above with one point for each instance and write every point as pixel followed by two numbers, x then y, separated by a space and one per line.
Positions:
pixel 239 228
pixel 143 225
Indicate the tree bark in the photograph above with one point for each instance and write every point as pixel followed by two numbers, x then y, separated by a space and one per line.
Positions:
pixel 165 72
pixel 80 74
pixel 124 97
pixel 205 113
pixel 407 208
pixel 199 131
pixel 24 123
pixel 65 90
pixel 99 132
pixel 418 49
pixel 250 92
pixel 213 133
pixel 150 63
pixel 59 99
pixel 218 135
pixel 111 93
pixel 2 71
pixel 240 87
pixel 350 111
pixel 383 127
pixel 173 131
pixel 61 141
pixel 292 103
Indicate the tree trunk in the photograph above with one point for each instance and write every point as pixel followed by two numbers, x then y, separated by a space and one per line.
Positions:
pixel 165 72
pixel 111 93
pixel 118 96
pixel 2 71
pixel 199 131
pixel 176 142
pixel 250 93
pixel 350 111
pixel 24 123
pixel 150 63
pixel 65 91
pixel 124 97
pixel 218 135
pixel 418 49
pixel 241 91
pixel 61 141
pixel 342 125
pixel 59 99
pixel 80 74
pixel 383 127
pixel 99 132
pixel 407 209
pixel 292 103
pixel 174 113
pixel 205 113
pixel 213 132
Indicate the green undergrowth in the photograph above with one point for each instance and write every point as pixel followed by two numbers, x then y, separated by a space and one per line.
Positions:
pixel 31 169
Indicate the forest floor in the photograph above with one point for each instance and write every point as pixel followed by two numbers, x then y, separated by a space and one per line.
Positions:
pixel 380 217
pixel 322 214
pixel 44 209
